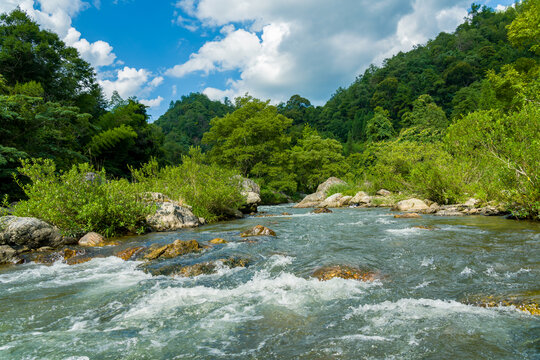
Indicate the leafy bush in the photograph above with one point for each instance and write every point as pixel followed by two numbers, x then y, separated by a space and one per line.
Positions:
pixel 272 197
pixel 211 190
pixel 344 189
pixel 77 202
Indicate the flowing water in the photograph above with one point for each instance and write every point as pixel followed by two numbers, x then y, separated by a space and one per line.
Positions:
pixel 110 309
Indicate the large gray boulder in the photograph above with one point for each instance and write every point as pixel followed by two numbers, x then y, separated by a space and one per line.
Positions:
pixel 30 232
pixel 251 192
pixel 170 216
pixel 329 183
pixel 333 201
pixel 411 205
pixel 311 200
pixel 315 199
pixel 361 198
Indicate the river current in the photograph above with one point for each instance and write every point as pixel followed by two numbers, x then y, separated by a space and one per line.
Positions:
pixel 108 308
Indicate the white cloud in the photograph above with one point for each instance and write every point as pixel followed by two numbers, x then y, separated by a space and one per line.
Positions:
pixel 152 102
pixel 98 53
pixel 283 47
pixel 131 82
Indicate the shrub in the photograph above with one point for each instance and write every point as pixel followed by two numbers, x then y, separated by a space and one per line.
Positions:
pixel 77 203
pixel 272 197
pixel 211 190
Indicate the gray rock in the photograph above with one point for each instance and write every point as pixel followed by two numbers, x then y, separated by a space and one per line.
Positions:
pixel 411 205
pixel 449 213
pixel 344 201
pixel 92 239
pixel 251 192
pixel 332 201
pixel 30 232
pixel 170 216
pixel 472 202
pixel 329 183
pixel 311 200
pixel 384 192
pixel 8 255
pixel 361 198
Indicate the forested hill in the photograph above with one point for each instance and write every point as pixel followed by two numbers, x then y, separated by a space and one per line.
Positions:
pixel 451 69
pixel 185 122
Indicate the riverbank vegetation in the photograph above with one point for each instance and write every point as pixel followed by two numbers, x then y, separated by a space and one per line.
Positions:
pixel 454 118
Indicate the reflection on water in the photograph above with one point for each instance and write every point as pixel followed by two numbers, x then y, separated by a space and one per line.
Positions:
pixel 111 309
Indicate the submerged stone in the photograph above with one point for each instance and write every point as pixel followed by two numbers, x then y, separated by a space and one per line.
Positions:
pixel 528 302
pixel 344 272
pixel 407 216
pixel 177 248
pixel 218 241
pixel 322 211
pixel 258 230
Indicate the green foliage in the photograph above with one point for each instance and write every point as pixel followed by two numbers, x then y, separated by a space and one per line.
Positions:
pixel 315 159
pixel 185 122
pixel 379 127
pixel 251 137
pixel 211 190
pixel 78 204
pixel 525 29
pixel 343 189
pixel 126 139
pixel 28 53
pixel 272 197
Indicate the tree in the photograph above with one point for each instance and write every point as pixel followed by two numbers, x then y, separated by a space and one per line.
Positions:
pixel 30 54
pixel 248 138
pixel 379 127
pixel 315 159
pixel 524 31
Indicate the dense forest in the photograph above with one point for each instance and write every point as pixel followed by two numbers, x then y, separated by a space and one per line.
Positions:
pixel 453 118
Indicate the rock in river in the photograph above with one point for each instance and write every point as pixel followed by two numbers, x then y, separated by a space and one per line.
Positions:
pixel 30 232
pixel 170 216
pixel 322 211
pixel 92 239
pixel 8 255
pixel 411 205
pixel 177 248
pixel 344 272
pixel 258 230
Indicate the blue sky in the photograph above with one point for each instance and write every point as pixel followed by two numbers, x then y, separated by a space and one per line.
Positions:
pixel 160 50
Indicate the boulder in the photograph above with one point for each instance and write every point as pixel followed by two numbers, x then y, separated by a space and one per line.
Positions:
pixel 411 205
pixel 251 192
pixel 361 198
pixel 322 211
pixel 384 192
pixel 526 302
pixel 311 200
pixel 329 183
pixel 472 202
pixel 449 212
pixel 344 272
pixel 332 201
pixel 8 255
pixel 258 230
pixel 177 248
pixel 205 268
pixel 407 216
pixel 30 232
pixel 92 239
pixel 344 201
pixel 170 216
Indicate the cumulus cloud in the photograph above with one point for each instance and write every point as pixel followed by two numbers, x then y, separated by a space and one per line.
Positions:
pixel 283 47
pixel 131 82
pixel 56 15
pixel 152 102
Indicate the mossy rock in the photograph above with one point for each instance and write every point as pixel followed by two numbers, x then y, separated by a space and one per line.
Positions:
pixel 322 211
pixel 344 272
pixel 258 230
pixel 127 254
pixel 177 248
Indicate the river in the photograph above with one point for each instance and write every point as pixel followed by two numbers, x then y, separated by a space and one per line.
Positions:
pixel 110 309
